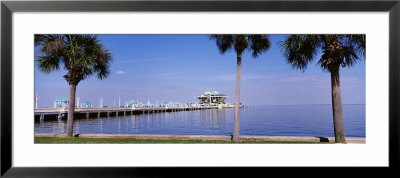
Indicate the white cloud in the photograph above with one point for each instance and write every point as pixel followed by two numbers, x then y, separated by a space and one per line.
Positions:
pixel 120 72
pixel 247 76
pixel 349 79
pixel 169 74
pixel 227 77
pixel 299 78
pixel 138 60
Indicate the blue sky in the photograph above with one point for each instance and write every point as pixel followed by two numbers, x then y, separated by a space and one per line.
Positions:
pixel 180 67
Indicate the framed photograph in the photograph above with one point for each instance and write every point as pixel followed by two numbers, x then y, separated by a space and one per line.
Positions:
pixel 172 70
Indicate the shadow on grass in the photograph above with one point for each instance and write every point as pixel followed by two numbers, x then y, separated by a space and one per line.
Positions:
pixel 323 139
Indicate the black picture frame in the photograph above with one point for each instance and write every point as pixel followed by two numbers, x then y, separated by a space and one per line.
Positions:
pixel 8 7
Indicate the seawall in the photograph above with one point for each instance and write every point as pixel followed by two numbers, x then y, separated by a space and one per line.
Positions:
pixel 353 140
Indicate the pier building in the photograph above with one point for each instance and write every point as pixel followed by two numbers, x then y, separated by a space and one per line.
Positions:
pixel 212 98
pixel 86 104
pixel 61 102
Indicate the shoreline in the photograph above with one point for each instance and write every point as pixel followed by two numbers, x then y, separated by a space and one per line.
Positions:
pixel 351 140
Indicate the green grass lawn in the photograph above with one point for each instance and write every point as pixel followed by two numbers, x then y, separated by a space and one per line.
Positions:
pixel 77 140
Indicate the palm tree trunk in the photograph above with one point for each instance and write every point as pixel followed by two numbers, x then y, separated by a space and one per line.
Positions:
pixel 71 109
pixel 337 107
pixel 237 98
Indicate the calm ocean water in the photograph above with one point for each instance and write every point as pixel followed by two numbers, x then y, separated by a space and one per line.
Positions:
pixel 293 120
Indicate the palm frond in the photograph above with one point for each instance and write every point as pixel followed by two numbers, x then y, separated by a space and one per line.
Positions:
pixel 358 41
pixel 300 50
pixel 341 50
pixel 349 56
pixel 38 39
pixel 103 62
pixel 258 44
pixel 82 56
pixel 224 42
pixel 240 42
pixel 48 64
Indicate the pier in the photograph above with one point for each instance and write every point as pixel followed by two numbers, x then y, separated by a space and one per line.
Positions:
pixel 61 113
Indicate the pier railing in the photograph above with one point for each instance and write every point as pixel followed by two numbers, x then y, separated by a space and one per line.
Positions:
pixel 60 113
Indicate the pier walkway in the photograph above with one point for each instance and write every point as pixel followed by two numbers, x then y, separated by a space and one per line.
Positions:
pixel 60 113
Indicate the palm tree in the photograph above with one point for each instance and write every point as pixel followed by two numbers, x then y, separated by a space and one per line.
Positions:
pixel 337 51
pixel 80 55
pixel 256 44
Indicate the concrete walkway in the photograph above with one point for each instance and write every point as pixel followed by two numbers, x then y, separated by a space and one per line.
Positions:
pixel 352 140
